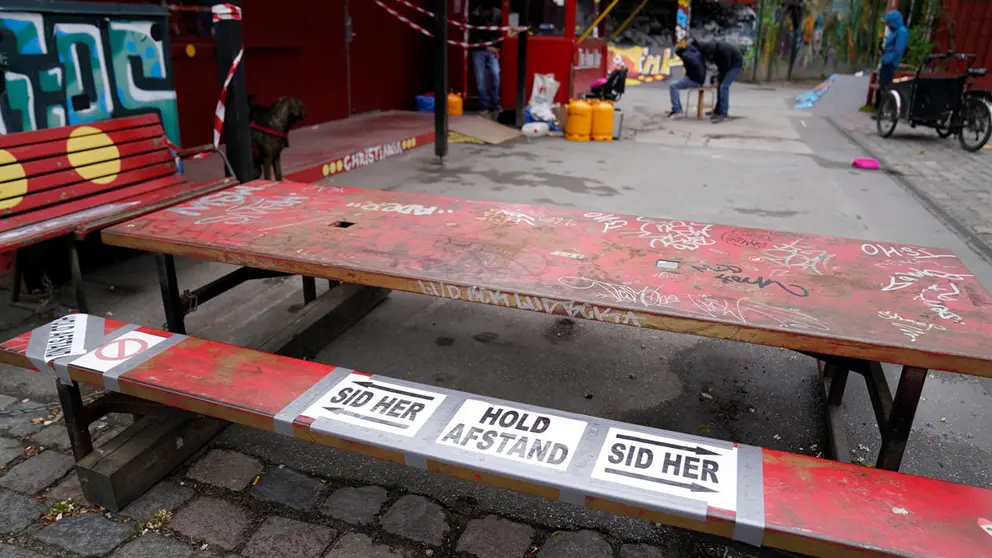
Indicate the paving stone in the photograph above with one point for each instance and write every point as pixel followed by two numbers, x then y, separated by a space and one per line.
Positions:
pixel 640 551
pixel 6 401
pixel 213 520
pixel 227 469
pixel 358 506
pixel 8 551
pixel 153 545
pixel 163 496
pixel 17 512
pixel 9 451
pixel 280 536
pixel 289 488
pixel 52 436
pixel 416 518
pixel 38 472
pixel 581 544
pixel 68 489
pixel 493 537
pixel 357 545
pixel 89 534
pixel 20 425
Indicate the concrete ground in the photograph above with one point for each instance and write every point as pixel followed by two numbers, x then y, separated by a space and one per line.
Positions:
pixel 771 167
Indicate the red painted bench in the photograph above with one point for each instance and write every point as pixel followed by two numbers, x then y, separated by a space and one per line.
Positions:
pixel 75 180
pixel 762 497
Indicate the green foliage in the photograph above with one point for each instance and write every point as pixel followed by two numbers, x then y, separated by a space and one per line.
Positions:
pixel 918 47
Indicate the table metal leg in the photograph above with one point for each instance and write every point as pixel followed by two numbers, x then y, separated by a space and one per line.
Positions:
pixel 309 289
pixel 895 433
pixel 77 276
pixel 174 315
pixel 15 295
pixel 75 419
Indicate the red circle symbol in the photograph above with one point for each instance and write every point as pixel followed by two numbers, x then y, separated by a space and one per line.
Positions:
pixel 121 349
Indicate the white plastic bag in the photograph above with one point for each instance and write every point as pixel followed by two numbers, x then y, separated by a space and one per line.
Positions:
pixel 542 96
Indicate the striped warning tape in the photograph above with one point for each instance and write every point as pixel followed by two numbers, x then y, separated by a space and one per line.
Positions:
pixel 223 12
pixel 462 24
pixel 416 27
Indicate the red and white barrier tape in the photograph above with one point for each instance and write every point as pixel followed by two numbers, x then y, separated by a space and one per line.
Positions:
pixel 416 27
pixel 461 24
pixel 225 12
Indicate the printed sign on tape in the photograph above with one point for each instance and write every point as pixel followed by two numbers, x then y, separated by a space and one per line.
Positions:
pixel 680 467
pixel 66 337
pixel 517 434
pixel 365 401
pixel 119 350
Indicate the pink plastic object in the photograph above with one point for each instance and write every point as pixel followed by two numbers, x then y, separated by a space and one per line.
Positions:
pixel 870 164
pixel 598 82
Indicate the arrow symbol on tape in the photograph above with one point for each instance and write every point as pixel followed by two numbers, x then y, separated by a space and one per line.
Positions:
pixel 696 450
pixel 693 487
pixel 373 385
pixel 340 411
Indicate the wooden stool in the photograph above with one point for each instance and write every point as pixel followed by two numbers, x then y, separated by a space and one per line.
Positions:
pixel 700 99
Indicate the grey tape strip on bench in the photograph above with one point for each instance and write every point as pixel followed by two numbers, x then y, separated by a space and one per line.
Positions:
pixel 111 378
pixel 750 525
pixel 284 418
pixel 94 338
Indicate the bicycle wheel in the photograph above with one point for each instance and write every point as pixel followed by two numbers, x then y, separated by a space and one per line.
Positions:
pixel 976 124
pixel 888 115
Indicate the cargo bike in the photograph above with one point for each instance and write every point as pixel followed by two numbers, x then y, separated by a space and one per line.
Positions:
pixel 947 102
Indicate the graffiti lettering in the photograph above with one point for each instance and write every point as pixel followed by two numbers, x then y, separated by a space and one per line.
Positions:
pixel 901 252
pixel 903 279
pixel 537 304
pixel 797 256
pixel 722 270
pixel 910 328
pixel 943 296
pixel 680 235
pixel 371 155
pixel 67 69
pixel 622 294
pixel 498 216
pixel 608 220
pixel 232 197
pixel 393 207
pixel 745 238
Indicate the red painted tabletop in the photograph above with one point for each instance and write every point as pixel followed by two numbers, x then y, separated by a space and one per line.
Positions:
pixel 894 303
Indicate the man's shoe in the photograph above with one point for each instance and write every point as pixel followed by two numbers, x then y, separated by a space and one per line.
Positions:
pixel 672 115
pixel 718 118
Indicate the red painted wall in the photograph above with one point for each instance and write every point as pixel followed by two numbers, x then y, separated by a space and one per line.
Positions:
pixel 969 23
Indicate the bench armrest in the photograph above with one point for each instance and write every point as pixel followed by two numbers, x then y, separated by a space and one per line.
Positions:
pixel 191 151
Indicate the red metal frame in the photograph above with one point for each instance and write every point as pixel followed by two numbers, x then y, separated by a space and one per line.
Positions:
pixel 813 506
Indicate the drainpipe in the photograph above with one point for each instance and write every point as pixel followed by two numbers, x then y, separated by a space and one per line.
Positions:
pixel 441 79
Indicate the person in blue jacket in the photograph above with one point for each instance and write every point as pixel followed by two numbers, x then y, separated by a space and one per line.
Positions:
pixel 892 52
pixel 695 75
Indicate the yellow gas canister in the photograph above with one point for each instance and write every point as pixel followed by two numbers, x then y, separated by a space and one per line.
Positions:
pixel 455 104
pixel 602 121
pixel 579 124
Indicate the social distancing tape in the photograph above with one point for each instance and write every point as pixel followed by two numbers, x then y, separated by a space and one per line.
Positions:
pixel 571 457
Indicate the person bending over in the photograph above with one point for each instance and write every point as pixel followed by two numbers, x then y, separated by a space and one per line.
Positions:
pixel 729 63
pixel 695 76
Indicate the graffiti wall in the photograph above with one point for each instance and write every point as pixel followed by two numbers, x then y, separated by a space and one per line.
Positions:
pixel 816 38
pixel 645 64
pixel 73 63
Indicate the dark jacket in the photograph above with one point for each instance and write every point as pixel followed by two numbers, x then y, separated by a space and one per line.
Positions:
pixel 725 55
pixel 895 43
pixel 692 63
pixel 476 36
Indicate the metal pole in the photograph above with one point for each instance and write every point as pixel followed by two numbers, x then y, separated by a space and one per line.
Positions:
pixel 237 137
pixel 596 23
pixel 757 40
pixel 522 61
pixel 441 78
pixel 627 21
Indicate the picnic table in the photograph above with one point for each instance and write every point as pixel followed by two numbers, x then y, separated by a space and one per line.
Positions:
pixel 851 304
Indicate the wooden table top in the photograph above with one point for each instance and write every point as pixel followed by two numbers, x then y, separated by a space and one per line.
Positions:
pixel 902 304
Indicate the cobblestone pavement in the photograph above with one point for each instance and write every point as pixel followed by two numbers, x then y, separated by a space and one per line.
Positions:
pixel 226 503
pixel 953 184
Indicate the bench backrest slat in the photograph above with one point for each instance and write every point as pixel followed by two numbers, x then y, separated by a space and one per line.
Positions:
pixel 52 156
pixel 148 166
pixel 81 165
pixel 61 133
pixel 775 499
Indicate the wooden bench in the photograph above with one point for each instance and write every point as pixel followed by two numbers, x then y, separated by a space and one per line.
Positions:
pixel 75 180
pixel 756 496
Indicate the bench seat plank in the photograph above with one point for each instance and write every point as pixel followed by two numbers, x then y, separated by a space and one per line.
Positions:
pixel 787 501
pixel 909 305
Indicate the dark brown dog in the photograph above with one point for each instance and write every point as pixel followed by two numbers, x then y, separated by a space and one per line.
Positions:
pixel 270 134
